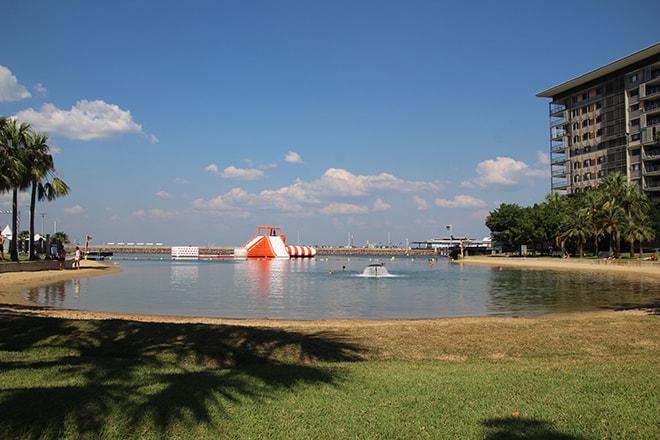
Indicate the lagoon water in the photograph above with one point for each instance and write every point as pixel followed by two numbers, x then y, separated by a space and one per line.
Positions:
pixel 305 289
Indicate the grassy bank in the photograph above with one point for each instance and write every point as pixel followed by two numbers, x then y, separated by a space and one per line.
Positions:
pixel 568 377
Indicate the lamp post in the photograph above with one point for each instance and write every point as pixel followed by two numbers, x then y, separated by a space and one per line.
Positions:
pixel 451 236
pixel 43 215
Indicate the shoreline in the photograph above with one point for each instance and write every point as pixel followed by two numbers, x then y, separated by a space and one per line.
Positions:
pixel 12 283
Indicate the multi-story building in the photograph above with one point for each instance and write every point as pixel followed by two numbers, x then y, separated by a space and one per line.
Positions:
pixel 608 120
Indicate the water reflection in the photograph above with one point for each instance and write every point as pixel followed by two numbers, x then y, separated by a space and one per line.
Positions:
pixel 320 289
pixel 524 291
pixel 183 275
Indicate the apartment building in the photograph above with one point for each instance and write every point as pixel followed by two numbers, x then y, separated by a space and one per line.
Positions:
pixel 608 120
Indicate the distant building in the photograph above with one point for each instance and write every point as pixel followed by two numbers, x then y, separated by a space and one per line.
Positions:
pixel 608 120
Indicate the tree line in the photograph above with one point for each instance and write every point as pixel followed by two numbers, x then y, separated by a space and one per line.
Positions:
pixel 27 165
pixel 611 214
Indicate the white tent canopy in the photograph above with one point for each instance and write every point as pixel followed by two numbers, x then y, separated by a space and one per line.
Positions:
pixel 6 232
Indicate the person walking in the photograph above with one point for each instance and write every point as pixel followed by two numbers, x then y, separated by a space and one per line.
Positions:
pixel 76 258
pixel 61 255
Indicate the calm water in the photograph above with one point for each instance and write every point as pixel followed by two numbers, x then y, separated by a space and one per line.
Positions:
pixel 305 289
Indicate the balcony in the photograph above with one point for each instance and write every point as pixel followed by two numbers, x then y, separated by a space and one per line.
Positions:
pixel 558 160
pixel 562 185
pixel 556 108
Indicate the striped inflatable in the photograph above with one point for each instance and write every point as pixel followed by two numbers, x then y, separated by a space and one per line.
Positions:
pixel 301 251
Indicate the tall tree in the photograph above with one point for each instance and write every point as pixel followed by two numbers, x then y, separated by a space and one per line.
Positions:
pixel 12 143
pixel 591 205
pixel 614 220
pixel 576 226
pixel 639 229
pixel 40 167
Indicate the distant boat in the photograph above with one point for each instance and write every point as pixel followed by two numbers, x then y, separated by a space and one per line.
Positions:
pixel 97 255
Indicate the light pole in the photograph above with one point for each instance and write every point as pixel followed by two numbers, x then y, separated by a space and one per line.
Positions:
pixel 451 236
pixel 43 215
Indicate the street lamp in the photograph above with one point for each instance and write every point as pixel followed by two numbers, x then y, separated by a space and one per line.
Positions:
pixel 43 215
pixel 451 236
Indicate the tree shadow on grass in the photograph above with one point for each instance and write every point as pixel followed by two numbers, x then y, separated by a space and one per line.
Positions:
pixel 517 428
pixel 87 375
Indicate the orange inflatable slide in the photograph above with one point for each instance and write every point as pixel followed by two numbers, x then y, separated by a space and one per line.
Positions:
pixel 269 242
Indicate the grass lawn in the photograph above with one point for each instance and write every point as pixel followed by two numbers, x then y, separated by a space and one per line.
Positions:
pixel 566 377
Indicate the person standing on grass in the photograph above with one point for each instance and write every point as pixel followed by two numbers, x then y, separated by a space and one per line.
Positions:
pixel 2 246
pixel 76 258
pixel 61 255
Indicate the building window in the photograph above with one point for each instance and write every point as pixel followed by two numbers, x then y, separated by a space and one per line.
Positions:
pixel 601 159
pixel 634 108
pixel 601 174
pixel 634 123
pixel 634 92
pixel 634 167
pixel 587 163
pixel 633 78
pixel 634 137
pixel 587 176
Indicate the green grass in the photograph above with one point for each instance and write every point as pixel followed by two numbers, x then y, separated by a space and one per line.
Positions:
pixel 122 379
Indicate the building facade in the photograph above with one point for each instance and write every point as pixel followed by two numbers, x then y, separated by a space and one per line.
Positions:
pixel 608 120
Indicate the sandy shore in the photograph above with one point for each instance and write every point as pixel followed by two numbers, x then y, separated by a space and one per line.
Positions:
pixel 12 283
pixel 634 267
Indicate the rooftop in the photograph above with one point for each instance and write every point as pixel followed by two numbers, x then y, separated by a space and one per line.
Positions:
pixel 601 71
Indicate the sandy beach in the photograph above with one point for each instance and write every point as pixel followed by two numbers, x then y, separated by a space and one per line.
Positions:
pixel 12 283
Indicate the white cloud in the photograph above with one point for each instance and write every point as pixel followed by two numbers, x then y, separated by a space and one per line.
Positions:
pixel 74 210
pixel 420 203
pixel 40 89
pixel 343 209
pixel 231 172
pixel 293 157
pixel 164 195
pixel 460 201
pixel 154 213
pixel 10 89
pixel 336 181
pixel 380 205
pixel 86 121
pixel 330 190
pixel 504 172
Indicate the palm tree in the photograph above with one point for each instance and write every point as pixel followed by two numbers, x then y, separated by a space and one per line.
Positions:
pixel 576 226
pixel 614 220
pixel 592 206
pixel 639 229
pixel 12 142
pixel 40 166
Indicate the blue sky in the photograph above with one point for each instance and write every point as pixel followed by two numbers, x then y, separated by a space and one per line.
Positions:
pixel 195 122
